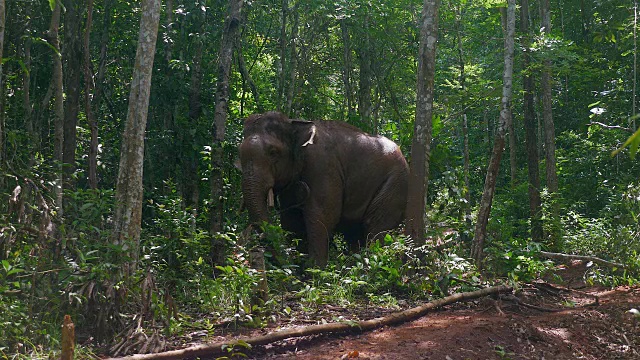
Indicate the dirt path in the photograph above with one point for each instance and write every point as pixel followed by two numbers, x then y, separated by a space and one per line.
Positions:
pixel 479 331
pixel 490 329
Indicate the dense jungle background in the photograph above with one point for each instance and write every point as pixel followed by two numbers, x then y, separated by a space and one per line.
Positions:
pixel 120 204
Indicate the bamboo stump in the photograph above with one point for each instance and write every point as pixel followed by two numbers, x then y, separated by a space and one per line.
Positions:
pixel 68 338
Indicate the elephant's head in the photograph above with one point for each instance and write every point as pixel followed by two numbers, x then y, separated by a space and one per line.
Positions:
pixel 271 158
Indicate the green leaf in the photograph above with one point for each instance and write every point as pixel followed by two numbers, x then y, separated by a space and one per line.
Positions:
pixel 632 142
pixel 52 4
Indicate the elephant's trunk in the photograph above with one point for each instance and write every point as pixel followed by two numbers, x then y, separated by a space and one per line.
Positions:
pixel 256 191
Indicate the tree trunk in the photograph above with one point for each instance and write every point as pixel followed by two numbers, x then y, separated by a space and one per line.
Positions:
pixel 88 90
pixel 632 123
pixel 58 106
pixel 498 144
pixel 421 143
pixel 2 127
pixel 283 50
pixel 231 26
pixel 513 165
pixel 26 89
pixel 364 95
pixel 72 56
pixel 190 170
pixel 347 68
pixel 246 77
pixel 128 214
pixel 465 127
pixel 530 125
pixel 549 127
pixel 293 62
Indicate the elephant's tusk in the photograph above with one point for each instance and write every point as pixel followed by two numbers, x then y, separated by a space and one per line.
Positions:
pixel 270 201
pixel 313 135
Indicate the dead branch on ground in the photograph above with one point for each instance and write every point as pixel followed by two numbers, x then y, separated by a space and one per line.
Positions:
pixel 332 328
pixel 594 259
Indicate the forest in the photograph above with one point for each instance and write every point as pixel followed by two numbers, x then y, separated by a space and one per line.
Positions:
pixel 121 198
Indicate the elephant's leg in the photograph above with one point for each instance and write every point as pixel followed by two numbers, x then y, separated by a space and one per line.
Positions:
pixel 293 222
pixel 386 210
pixel 321 216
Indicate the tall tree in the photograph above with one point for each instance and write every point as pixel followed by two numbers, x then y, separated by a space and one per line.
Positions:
pixel 128 214
pixel 280 71
pixel 229 33
pixel 480 232
pixel 58 106
pixel 635 64
pixel 293 62
pixel 465 124
pixel 88 91
pixel 365 55
pixel 2 126
pixel 26 90
pixel 72 57
pixel 346 67
pixel 547 118
pixel 530 125
pixel 422 128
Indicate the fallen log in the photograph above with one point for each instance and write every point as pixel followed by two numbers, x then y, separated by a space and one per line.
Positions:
pixel 211 349
pixel 551 255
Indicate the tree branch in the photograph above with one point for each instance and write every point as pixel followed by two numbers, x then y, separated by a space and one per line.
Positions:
pixel 596 260
pixel 618 127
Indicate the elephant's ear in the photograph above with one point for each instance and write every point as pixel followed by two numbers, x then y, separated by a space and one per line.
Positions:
pixel 305 132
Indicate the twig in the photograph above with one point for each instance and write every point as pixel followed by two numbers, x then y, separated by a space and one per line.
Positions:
pixel 618 127
pixel 205 350
pixel 522 303
pixel 561 288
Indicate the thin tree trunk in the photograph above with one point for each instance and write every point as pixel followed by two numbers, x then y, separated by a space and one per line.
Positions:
pixel 635 64
pixel 170 104
pixel 190 169
pixel 283 50
pixel 364 95
pixel 513 165
pixel 88 90
pixel 549 127
pixel 128 214
pixel 104 40
pixel 58 106
pixel 346 68
pixel 293 62
pixel 72 56
pixel 2 126
pixel 585 21
pixel 465 126
pixel 421 143
pixel 231 26
pixel 168 29
pixel 510 127
pixel 498 145
pixel 535 207
pixel 26 88
pixel 246 77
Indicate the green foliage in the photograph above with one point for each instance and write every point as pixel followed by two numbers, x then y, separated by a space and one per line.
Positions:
pixel 517 259
pixel 632 142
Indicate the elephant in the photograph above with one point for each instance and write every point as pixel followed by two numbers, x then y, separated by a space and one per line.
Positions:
pixel 328 177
